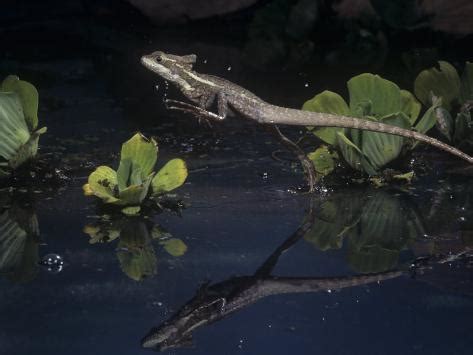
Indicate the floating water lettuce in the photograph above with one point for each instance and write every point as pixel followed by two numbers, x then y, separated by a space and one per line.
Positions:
pixel 18 123
pixel 455 94
pixel 130 184
pixel 372 98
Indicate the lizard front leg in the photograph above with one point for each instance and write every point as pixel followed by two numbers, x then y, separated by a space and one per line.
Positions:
pixel 201 111
pixel 192 109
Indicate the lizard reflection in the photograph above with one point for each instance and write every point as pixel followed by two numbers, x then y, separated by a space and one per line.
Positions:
pixel 214 302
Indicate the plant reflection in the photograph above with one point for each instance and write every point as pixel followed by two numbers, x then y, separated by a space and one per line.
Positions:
pixel 135 250
pixel 374 225
pixel 19 241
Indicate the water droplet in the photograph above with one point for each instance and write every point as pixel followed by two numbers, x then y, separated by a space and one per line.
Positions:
pixel 329 291
pixel 205 61
pixel 265 175
pixel 462 219
pixel 229 68
pixel 53 263
pixel 306 85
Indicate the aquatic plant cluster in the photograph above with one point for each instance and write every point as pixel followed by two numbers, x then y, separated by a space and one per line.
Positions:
pixel 129 186
pixel 439 91
pixel 133 184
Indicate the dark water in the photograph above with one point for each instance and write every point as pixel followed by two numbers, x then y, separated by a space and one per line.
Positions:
pixel 241 213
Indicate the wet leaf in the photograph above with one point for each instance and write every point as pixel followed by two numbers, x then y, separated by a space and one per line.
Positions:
pixel 141 152
pixel 323 160
pixel 327 102
pixel 381 148
pixel 27 150
pixel 28 97
pixel 175 247
pixel 353 155
pixel 13 129
pixel 135 194
pixel 382 96
pixel 171 176
pixel 103 184
pixel 444 83
pixel 428 120
pixel 410 106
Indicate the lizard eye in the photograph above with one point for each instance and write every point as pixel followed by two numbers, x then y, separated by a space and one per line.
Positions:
pixel 159 58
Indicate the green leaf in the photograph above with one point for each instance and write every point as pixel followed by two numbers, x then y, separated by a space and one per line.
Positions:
pixel 427 121
pixel 323 160
pixel 28 96
pixel 174 247
pixel 14 132
pixel 381 148
pixel 142 153
pixel 410 106
pixel 352 154
pixel 327 102
pixel 103 184
pixel 467 83
pixel 371 92
pixel 135 194
pixel 171 176
pixel 444 83
pixel 27 150
pixel 123 174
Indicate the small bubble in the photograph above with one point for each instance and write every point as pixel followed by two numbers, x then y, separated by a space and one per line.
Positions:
pixel 205 61
pixel 306 85
pixel 229 68
pixel 329 291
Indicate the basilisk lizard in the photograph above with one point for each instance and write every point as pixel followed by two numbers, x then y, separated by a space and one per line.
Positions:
pixel 204 89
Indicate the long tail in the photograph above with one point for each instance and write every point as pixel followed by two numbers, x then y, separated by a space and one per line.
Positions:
pixel 281 115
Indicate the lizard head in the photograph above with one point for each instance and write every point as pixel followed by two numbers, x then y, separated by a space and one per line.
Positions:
pixel 168 66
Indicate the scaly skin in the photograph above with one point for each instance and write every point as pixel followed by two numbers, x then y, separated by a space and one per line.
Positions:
pixel 204 89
